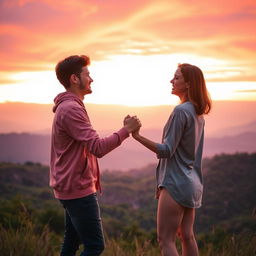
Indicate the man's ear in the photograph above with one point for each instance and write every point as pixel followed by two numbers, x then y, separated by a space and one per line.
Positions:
pixel 73 79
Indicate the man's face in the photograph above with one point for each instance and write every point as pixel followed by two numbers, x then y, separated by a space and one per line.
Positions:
pixel 85 81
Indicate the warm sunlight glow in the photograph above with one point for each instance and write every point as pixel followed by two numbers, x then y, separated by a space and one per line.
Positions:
pixel 128 80
pixel 233 91
pixel 31 87
pixel 134 46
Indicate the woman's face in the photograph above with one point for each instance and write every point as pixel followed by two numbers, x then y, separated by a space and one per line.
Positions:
pixel 179 86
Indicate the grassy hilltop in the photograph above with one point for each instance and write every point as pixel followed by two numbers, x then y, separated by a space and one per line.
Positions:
pixel 31 220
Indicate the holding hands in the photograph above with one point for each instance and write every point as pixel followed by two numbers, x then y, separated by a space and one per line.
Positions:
pixel 132 124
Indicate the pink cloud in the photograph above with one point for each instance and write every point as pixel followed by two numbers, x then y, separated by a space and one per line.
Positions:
pixel 34 34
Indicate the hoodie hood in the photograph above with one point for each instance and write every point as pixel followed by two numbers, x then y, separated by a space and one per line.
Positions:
pixel 66 96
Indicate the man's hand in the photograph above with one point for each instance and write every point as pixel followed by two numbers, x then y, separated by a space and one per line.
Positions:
pixel 132 124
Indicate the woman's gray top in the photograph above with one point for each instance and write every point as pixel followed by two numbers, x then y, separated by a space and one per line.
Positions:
pixel 179 169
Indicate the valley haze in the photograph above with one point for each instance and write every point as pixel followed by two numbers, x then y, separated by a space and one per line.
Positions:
pixel 25 131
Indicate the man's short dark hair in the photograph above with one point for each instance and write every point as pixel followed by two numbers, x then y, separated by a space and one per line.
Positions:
pixel 70 65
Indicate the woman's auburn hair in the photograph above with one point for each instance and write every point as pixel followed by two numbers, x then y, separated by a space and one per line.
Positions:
pixel 197 91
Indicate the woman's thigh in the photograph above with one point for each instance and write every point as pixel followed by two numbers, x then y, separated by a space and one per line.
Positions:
pixel 169 215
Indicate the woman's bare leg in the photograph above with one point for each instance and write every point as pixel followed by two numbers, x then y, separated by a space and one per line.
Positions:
pixel 189 245
pixel 169 218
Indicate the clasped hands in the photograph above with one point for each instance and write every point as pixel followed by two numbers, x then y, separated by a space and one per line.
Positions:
pixel 132 124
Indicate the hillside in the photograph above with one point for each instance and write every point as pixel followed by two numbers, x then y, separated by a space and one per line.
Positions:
pixel 229 194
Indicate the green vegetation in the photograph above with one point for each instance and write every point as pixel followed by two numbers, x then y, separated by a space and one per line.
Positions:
pixel 31 220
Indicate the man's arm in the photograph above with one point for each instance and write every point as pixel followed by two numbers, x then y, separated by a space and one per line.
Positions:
pixel 78 126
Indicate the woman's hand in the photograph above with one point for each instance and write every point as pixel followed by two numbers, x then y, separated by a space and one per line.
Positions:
pixel 136 134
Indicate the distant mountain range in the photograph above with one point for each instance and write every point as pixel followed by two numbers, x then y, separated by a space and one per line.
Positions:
pixel 226 117
pixel 230 128
pixel 25 147
pixel 234 130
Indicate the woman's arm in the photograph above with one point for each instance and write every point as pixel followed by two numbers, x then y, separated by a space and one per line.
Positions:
pixel 172 136
pixel 151 145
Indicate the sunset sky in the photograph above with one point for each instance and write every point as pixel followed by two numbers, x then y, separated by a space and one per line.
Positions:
pixel 134 45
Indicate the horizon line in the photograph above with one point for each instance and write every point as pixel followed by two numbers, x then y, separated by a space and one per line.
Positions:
pixel 125 105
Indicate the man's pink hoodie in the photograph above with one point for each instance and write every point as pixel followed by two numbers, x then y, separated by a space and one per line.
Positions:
pixel 75 146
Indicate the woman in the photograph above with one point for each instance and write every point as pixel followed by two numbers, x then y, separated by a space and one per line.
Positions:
pixel 179 175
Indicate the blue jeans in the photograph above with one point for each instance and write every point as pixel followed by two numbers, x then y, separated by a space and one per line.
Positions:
pixel 82 225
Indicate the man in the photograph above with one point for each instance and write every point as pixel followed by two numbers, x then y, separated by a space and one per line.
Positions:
pixel 75 146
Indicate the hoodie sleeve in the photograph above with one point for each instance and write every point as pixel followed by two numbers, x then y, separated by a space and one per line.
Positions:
pixel 77 125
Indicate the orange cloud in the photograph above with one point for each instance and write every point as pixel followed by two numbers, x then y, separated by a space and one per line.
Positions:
pixel 35 34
